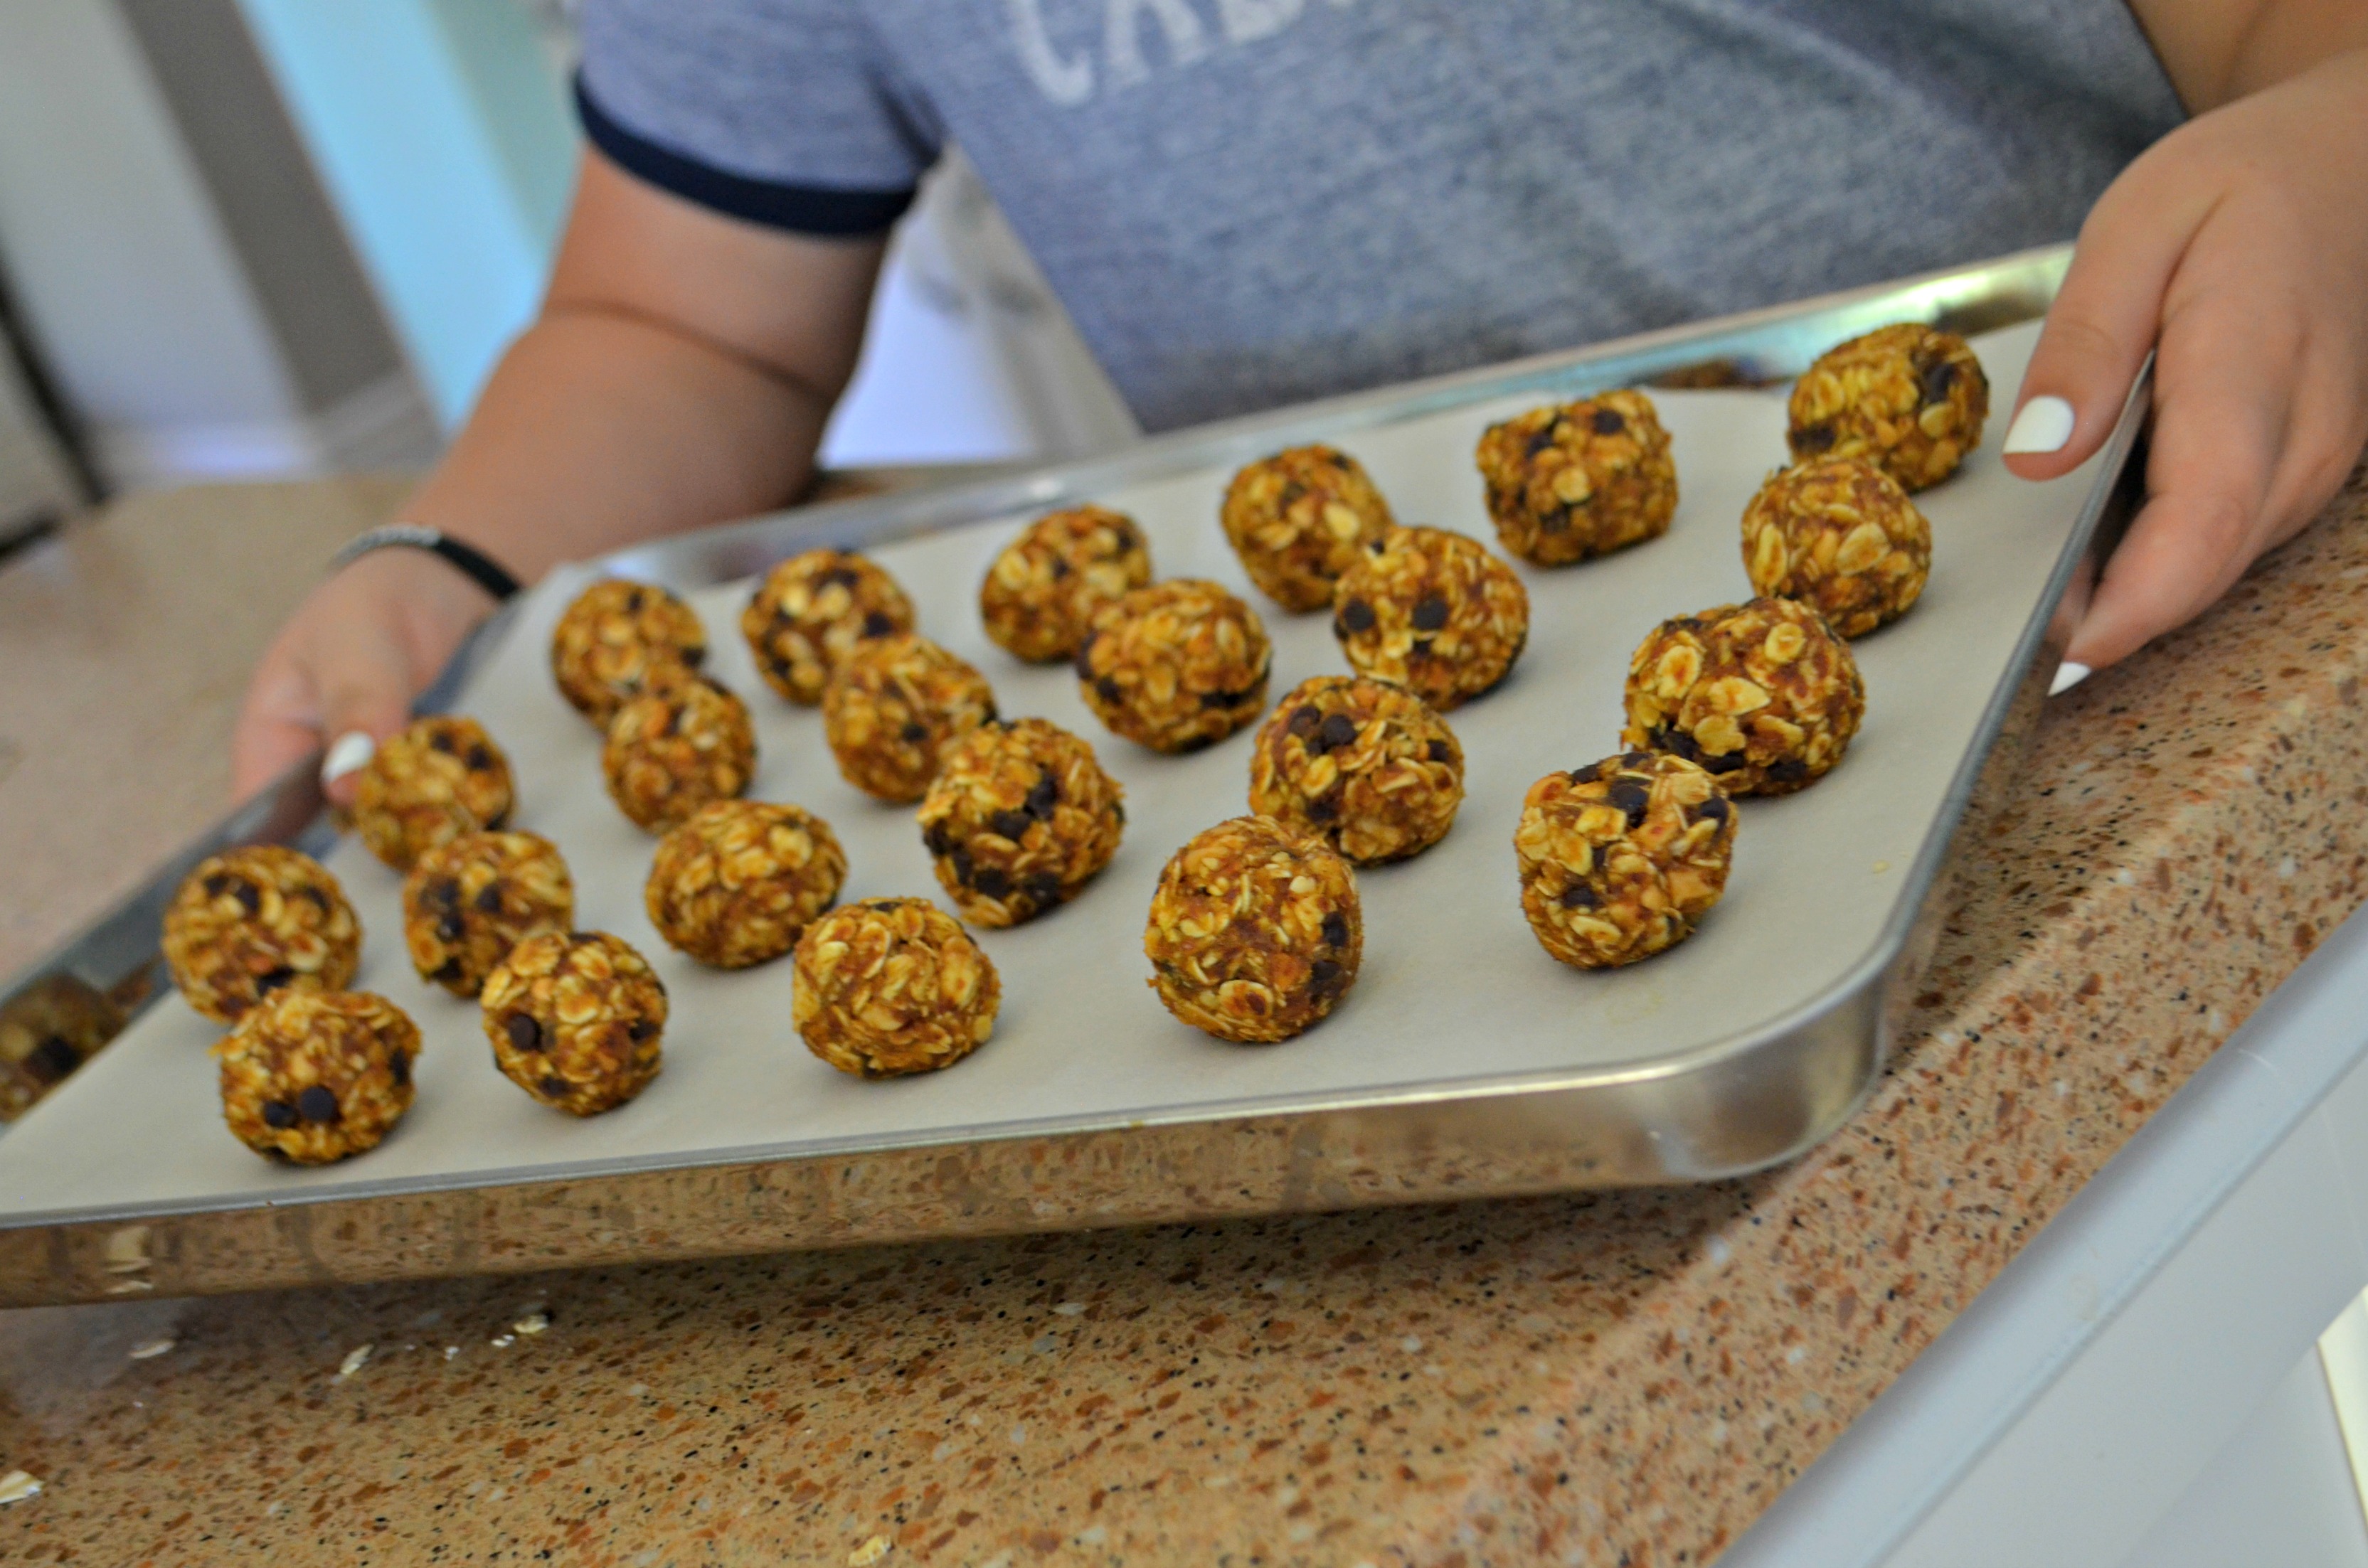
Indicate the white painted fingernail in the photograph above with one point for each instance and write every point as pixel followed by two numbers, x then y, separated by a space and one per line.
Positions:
pixel 2043 426
pixel 353 750
pixel 2067 676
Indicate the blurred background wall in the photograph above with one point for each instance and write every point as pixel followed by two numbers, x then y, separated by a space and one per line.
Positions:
pixel 278 238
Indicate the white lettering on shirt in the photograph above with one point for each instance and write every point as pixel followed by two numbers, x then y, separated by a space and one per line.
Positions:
pixel 1065 81
pixel 1249 20
pixel 1123 42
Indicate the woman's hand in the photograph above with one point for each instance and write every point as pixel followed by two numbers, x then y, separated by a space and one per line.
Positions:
pixel 2237 250
pixel 362 645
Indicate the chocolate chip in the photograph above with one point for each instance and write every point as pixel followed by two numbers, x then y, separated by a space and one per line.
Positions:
pixel 217 885
pixel 318 1104
pixel 1430 614
pixel 1043 796
pixel 501 819
pixel 1632 796
pixel 1060 567
pixel 1304 720
pixel 1012 826
pixel 278 1113
pixel 1419 648
pixel 1336 929
pixel 398 1067
pixel 53 1059
pixel 1607 422
pixel 914 732
pixel 1044 889
pixel 481 759
pixel 1107 688
pixel 1323 808
pixel 442 741
pixel 939 837
pixel 444 893
pixel 524 1032
pixel 489 899
pixel 991 881
pixel 1084 654
pixel 1813 438
pixel 553 1087
pixel 1338 730
pixel 1356 616
pixel 451 929
pixel 1440 751
pixel 841 577
pixel 1787 770
pixel 879 624
pixel 1291 491
pixel 640 1030
pixel 1937 379
pixel 271 980
pixel 582 938
pixel 960 860
pixel 1544 437
pixel 633 601
pixel 1578 895
pixel 450 971
pixel 1324 975
pixel 1587 775
pixel 249 896
pixel 1716 809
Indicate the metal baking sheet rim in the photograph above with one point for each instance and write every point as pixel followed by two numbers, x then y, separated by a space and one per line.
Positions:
pixel 1800 1075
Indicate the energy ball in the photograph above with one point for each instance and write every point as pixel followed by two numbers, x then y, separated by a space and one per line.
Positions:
pixel 892 707
pixel 576 1018
pixel 428 784
pixel 891 986
pixel 1361 764
pixel 672 750
pixel 311 1077
pixel 47 1030
pixel 1619 859
pixel 814 609
pixel 1909 398
pixel 1018 820
pixel 615 636
pixel 1255 931
pixel 1296 519
pixel 254 920
pixel 1838 535
pixel 1764 694
pixel 1177 666
pixel 1040 596
pixel 468 903
pixel 1433 611
pixel 740 882
pixel 1579 480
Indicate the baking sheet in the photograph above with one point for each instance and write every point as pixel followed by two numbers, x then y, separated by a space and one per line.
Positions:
pixel 1453 990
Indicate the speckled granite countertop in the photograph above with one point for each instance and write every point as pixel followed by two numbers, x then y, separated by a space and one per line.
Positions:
pixel 1626 1379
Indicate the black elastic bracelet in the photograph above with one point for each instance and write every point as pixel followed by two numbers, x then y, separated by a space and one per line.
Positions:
pixel 479 567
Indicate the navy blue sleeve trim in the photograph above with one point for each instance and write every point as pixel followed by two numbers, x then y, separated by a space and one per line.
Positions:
pixel 802 209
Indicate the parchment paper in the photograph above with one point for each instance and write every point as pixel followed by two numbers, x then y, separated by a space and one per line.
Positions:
pixel 1454 987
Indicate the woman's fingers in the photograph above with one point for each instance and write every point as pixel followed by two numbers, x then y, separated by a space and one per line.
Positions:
pixel 278 725
pixel 2100 326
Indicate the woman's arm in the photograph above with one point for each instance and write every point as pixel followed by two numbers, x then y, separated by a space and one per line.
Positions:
pixel 679 373
pixel 2236 250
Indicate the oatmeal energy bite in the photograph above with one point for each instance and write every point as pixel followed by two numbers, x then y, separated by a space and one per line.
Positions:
pixel 1296 519
pixel 1433 611
pixel 1176 666
pixel 314 1076
pixel 1018 820
pixel 614 637
pixel 814 609
pixel 254 920
pixel 468 903
pixel 892 709
pixel 671 751
pixel 1040 596
pixel 1839 536
pixel 891 986
pixel 1255 933
pixel 1361 764
pixel 1763 695
pixel 576 1018
pixel 740 882
pixel 428 784
pixel 1579 480
pixel 1619 859
pixel 1908 397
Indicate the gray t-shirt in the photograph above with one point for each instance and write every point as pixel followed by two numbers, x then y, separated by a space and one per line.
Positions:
pixel 1251 202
